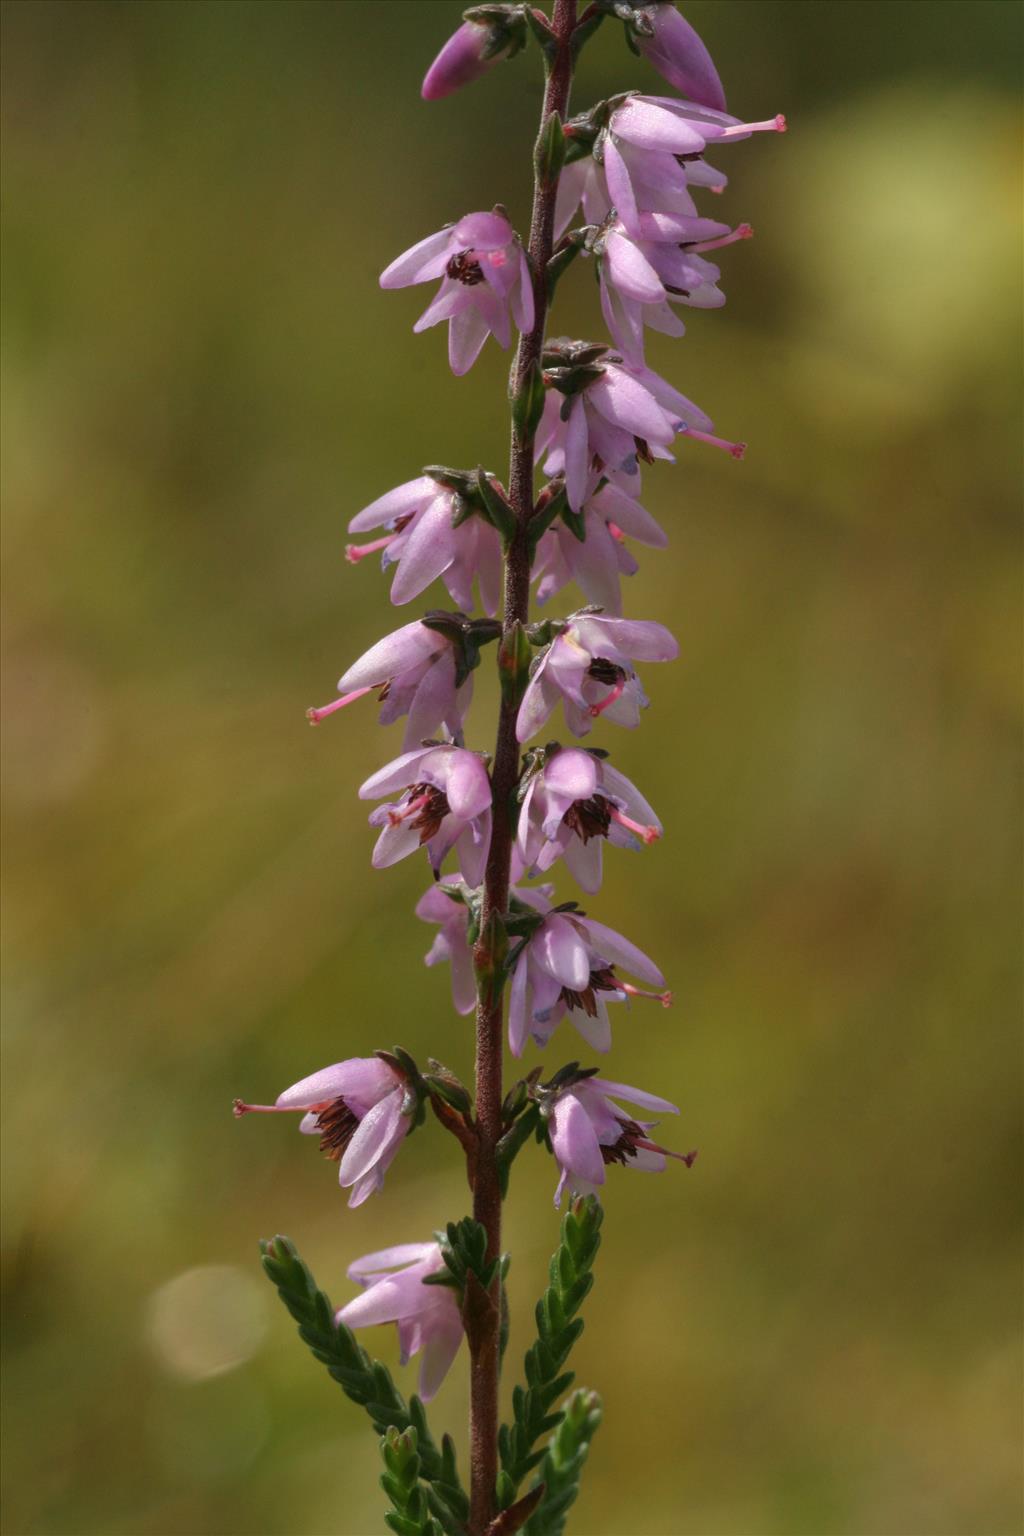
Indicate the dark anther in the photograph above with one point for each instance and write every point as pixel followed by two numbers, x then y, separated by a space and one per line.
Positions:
pixel 465 268
pixel 337 1126
pixel 604 671
pixel 433 812
pixel 589 818
pixel 600 981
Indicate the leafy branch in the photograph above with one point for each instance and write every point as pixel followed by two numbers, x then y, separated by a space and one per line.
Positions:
pixel 558 1328
pixel 563 1462
pixel 401 1482
pixel 366 1381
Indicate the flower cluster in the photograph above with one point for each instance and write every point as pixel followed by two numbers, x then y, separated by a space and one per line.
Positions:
pixel 593 415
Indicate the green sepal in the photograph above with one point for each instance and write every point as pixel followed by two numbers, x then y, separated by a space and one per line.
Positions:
pixel 550 504
pixel 549 152
pixel 514 656
pixel 528 402
pixel 583 32
pixel 542 32
pixel 575 522
pixel 489 955
pixel 514 1139
pixel 561 261
pixel 496 507
pixel 506 27
pixel 444 1084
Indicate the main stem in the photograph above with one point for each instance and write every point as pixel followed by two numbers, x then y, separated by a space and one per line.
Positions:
pixel 484 1348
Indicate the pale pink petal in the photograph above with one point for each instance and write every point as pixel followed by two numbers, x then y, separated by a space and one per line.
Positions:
pixel 429 551
pixel 439 1350
pixel 571 773
pixel 635 1096
pixel 467 333
pixel 390 1258
pixel 421 262
pixel 574 1141
pixel 559 950
pixel 407 647
pixel 620 187
pixel 364 1076
pixel 406 498
pixel 467 786
pixel 577 455
pixel 396 775
pixel 630 270
pixel 618 950
pixel 373 1135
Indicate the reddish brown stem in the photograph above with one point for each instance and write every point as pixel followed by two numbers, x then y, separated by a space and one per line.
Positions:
pixel 484 1349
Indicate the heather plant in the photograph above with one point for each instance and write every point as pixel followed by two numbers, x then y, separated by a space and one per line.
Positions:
pixel 615 185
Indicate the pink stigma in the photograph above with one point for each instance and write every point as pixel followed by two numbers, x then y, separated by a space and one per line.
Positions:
pixel 597 710
pixel 645 834
pixel 314 716
pixel 356 552
pixel 616 532
pixel 689 1158
pixel 240 1108
pixel 775 124
pixel 737 450
pixel 664 998
pixel 741 232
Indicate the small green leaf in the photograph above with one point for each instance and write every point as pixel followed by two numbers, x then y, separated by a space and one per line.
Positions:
pixel 549 153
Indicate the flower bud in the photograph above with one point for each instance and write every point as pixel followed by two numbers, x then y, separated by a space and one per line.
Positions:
pixel 489 33
pixel 678 54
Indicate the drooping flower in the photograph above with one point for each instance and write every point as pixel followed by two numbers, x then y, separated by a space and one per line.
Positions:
pixel 588 667
pixel 644 161
pixel 574 800
pixel 566 970
pixel 485 283
pixel 362 1110
pixel 429 536
pixel 446 804
pixel 445 904
pixel 598 418
pixel 428 1316
pixel 473 49
pixel 597 560
pixel 423 671
pixel 640 279
pixel 667 40
pixel 588 1131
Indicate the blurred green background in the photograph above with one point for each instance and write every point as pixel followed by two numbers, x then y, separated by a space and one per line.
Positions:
pixel 818 1330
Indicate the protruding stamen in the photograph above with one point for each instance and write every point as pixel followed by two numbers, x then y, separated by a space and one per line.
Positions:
pixel 645 834
pixel 598 709
pixel 356 552
pixel 737 450
pixel 395 818
pixel 664 998
pixel 689 1158
pixel 741 232
pixel 775 124
pixel 240 1108
pixel 314 716
pixel 616 532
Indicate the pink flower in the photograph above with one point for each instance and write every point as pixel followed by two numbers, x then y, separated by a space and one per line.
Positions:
pixel 601 426
pixel 588 667
pixel 445 903
pixel 426 539
pixel 485 282
pixel 446 804
pixel 645 161
pixel 678 54
pixel 362 1110
pixel 573 801
pixel 472 50
pixel 417 668
pixel 588 1131
pixel 641 278
pixel 566 969
pixel 427 1315
pixel 596 562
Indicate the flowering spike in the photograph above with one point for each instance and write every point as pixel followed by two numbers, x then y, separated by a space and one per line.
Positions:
pixel 628 174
